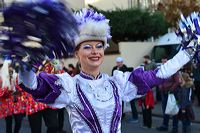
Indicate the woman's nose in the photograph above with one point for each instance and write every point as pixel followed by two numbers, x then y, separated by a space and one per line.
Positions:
pixel 94 50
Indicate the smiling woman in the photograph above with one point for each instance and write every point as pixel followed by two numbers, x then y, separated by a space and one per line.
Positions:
pixel 90 55
pixel 93 99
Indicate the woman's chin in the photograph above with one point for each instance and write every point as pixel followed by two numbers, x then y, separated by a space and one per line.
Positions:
pixel 94 64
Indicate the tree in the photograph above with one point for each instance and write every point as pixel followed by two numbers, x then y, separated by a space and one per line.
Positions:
pixel 135 24
pixel 172 10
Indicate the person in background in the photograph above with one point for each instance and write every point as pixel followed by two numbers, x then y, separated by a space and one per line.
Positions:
pixel 77 68
pixel 12 102
pixel 151 65
pixel 186 113
pixel 71 70
pixel 120 66
pixel 134 118
pixel 196 76
pixel 171 85
pixel 147 102
pixel 148 63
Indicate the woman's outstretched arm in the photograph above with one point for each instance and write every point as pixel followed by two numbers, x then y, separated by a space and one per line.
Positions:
pixel 145 80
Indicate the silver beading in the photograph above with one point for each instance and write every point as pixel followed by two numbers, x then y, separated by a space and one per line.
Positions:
pixel 102 93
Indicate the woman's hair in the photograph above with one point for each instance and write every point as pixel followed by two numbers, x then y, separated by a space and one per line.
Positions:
pixel 77 47
pixel 71 65
pixel 77 69
pixel 187 81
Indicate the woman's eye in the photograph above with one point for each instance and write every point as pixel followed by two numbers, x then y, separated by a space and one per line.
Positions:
pixel 87 47
pixel 99 46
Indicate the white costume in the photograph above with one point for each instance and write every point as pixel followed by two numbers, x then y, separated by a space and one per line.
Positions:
pixel 94 105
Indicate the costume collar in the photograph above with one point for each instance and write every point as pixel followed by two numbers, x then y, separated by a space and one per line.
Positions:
pixel 89 77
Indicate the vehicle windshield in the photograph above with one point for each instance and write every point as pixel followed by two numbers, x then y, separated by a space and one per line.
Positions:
pixel 164 51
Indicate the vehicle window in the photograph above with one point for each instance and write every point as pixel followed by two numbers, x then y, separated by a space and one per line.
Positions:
pixel 165 50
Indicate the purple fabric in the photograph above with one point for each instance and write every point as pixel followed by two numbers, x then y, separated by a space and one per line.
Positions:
pixel 117 112
pixel 144 80
pixel 47 90
pixel 88 113
pixel 56 31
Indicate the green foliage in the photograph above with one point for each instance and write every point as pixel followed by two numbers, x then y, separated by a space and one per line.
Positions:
pixel 135 24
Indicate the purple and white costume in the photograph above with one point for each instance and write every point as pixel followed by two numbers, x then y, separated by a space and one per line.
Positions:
pixel 94 105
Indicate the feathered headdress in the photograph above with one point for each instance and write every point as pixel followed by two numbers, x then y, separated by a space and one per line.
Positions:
pixel 189 31
pixel 92 26
pixel 33 31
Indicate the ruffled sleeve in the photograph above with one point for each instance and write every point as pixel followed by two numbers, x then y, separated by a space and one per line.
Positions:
pixel 54 90
pixel 144 80
pixel 128 90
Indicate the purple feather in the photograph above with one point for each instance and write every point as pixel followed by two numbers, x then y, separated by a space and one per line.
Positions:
pixel 189 31
pixel 49 24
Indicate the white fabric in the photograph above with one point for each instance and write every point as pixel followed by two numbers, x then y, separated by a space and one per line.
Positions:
pixel 119 59
pixel 127 107
pixel 128 90
pixel 5 74
pixel 99 92
pixel 91 29
pixel 104 110
pixel 172 66
pixel 29 79
pixel 171 107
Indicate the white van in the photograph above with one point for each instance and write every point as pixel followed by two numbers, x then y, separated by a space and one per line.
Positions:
pixel 166 46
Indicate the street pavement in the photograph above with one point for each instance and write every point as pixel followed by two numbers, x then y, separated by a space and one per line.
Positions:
pixel 126 127
pixel 157 111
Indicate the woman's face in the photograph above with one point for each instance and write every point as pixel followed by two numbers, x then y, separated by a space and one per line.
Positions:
pixel 90 54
